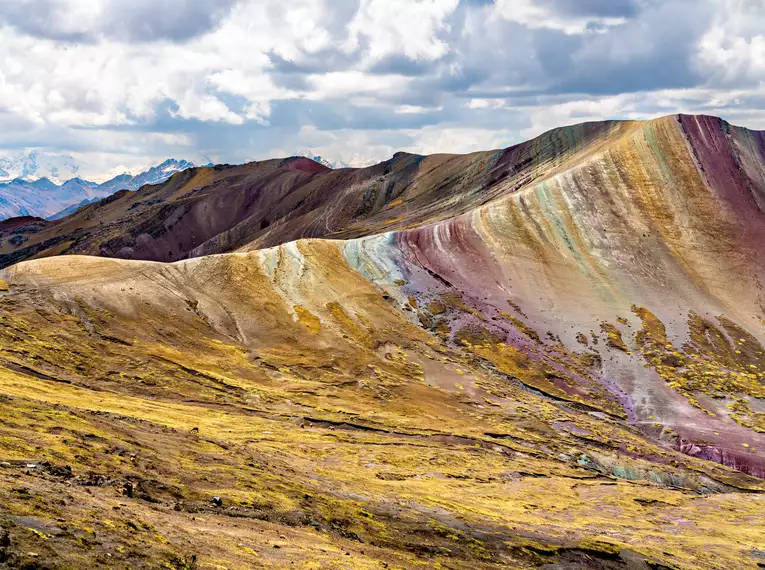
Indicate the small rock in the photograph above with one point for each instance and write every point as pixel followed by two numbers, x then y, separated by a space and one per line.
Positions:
pixel 277 546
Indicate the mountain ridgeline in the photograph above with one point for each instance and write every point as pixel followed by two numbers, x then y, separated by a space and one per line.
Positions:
pixel 30 195
pixel 537 357
pixel 260 204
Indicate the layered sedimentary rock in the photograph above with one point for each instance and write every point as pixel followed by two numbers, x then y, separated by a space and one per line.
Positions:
pixel 212 210
pixel 552 363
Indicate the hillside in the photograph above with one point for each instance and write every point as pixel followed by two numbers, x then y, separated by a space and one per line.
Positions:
pixel 215 210
pixel 547 356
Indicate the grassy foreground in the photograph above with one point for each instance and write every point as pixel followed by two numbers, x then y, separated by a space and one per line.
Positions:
pixel 150 431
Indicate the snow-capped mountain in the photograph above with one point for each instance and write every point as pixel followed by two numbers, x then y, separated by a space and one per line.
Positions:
pixel 23 192
pixel 154 175
pixel 160 173
pixel 36 165
pixel 320 159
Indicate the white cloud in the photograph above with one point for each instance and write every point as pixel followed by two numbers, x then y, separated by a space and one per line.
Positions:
pixel 733 49
pixel 406 28
pixel 112 82
pixel 192 105
pixel 488 103
pixel 435 139
pixel 413 109
pixel 354 84
pixel 534 15
pixel 234 80
pixel 361 147
pixel 130 152
pixel 354 148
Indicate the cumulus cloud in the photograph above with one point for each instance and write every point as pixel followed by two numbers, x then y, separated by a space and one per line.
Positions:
pixel 133 81
pixel 566 17
pixel 122 20
pixel 408 28
pixel 732 50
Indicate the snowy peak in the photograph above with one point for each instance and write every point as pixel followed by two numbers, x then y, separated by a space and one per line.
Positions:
pixel 174 165
pixel 155 175
pixel 29 185
pixel 81 182
pixel 320 159
pixel 164 171
pixel 36 165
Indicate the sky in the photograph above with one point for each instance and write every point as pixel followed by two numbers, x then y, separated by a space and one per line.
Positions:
pixel 122 84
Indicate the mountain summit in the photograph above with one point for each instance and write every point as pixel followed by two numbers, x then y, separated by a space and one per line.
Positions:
pixel 36 165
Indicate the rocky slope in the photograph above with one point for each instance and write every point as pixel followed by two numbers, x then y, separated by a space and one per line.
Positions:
pixel 548 356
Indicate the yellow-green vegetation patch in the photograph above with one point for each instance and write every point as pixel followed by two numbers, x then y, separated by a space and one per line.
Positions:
pixel 437 307
pixel 308 319
pixel 521 326
pixel 613 337
pixel 336 435
pixel 718 362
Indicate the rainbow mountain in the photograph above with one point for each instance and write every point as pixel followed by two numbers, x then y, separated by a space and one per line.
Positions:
pixel 543 356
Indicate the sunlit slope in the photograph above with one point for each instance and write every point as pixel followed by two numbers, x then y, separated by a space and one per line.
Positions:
pixel 656 243
pixel 338 403
pixel 214 210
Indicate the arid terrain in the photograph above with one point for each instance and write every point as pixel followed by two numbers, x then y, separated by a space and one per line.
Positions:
pixel 548 356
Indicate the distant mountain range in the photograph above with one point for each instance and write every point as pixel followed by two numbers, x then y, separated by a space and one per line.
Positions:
pixel 46 185
pixel 37 185
pixel 320 159
pixel 55 167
